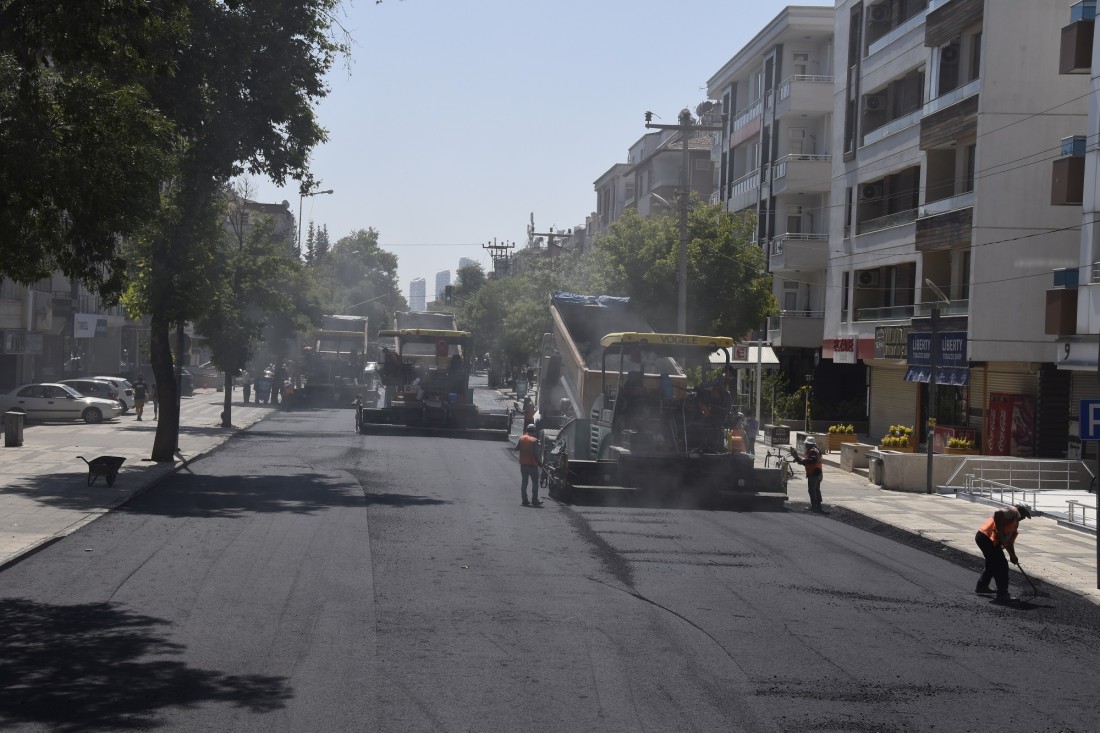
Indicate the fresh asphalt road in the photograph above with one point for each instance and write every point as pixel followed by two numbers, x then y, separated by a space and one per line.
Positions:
pixel 305 578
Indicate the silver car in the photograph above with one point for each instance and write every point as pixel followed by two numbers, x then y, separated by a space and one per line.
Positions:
pixel 125 391
pixel 50 401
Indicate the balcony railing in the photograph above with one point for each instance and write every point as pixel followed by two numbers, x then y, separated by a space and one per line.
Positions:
pixel 748 114
pixel 896 33
pixel 785 85
pixel 951 308
pixel 897 125
pixel 745 183
pixel 777 242
pixel 885 222
pixel 951 203
pixel 1084 10
pixel 954 96
pixel 779 169
pixel 888 313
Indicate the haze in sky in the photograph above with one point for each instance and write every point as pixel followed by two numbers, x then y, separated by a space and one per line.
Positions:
pixel 454 121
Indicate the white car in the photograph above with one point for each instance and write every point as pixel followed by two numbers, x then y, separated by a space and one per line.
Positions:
pixel 125 391
pixel 49 401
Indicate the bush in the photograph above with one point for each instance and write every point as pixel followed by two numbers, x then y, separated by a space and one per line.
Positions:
pixel 961 443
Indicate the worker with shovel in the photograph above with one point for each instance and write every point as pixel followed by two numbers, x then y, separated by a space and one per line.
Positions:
pixel 995 536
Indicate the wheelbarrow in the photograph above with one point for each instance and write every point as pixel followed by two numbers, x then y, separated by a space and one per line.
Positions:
pixel 105 466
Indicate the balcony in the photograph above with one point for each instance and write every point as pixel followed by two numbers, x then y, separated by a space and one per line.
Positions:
pixel 745 191
pixel 796 329
pixel 886 313
pixel 1075 53
pixel 796 251
pixel 945 223
pixel 1067 179
pixel 894 34
pixel 895 219
pixel 802 173
pixel 806 94
pixel 893 126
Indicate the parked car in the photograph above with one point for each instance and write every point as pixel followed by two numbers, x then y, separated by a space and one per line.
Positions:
pixel 125 391
pixel 207 374
pixel 52 401
pixel 96 388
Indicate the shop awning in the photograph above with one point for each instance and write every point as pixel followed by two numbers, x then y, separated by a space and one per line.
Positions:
pixel 768 359
pixel 957 376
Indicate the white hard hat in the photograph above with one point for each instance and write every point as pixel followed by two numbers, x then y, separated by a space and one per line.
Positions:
pixel 530 428
pixel 811 440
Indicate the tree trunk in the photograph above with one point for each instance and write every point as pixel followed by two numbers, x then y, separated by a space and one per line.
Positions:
pixel 227 413
pixel 167 436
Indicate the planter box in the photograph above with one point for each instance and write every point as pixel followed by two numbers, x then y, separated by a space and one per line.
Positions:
pixel 960 451
pixel 899 448
pixel 838 439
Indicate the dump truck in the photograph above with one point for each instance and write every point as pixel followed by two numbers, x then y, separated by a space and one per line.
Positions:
pixel 629 423
pixel 426 379
pixel 333 367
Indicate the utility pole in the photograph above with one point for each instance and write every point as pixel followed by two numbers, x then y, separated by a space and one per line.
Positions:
pixel 685 127
pixel 501 254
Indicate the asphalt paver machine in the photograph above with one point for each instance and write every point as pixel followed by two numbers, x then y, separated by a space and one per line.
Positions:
pixel 428 390
pixel 652 436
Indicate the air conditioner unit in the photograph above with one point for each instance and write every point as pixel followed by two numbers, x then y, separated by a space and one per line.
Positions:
pixel 867 279
pixel 870 191
pixel 874 103
pixel 879 13
pixel 949 54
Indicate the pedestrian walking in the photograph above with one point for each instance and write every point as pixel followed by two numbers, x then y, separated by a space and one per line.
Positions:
pixel 141 393
pixel 812 462
pixel 529 462
pixel 246 385
pixel 752 427
pixel 995 536
pixel 528 411
pixel 154 395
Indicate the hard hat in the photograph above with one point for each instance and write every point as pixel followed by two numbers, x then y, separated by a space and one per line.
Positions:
pixel 811 440
pixel 1024 511
pixel 530 428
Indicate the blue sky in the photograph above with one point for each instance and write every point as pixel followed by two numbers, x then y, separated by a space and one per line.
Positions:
pixel 453 121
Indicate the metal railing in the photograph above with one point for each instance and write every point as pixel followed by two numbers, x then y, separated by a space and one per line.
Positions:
pixel 953 97
pixel 895 125
pixel 1078 512
pixel 779 240
pixel 748 114
pixel 993 473
pixel 785 85
pixel 887 313
pixel 779 168
pixel 885 222
pixel 951 203
pixel 896 33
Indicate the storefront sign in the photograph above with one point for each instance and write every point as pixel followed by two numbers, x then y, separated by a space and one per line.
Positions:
pixel 844 350
pixel 89 325
pixel 891 342
pixel 952 366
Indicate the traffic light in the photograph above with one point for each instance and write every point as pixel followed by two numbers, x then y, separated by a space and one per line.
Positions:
pixel 449 294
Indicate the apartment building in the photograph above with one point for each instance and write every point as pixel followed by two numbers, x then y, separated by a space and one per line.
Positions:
pixel 946 121
pixel 1073 297
pixel 773 160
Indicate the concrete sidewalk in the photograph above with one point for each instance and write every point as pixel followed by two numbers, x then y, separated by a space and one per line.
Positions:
pixel 44 493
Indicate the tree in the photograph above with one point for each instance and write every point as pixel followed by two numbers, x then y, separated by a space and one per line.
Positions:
pixel 245 76
pixel 729 290
pixel 311 244
pixel 321 246
pixel 468 280
pixel 256 277
pixel 358 277
pixel 85 148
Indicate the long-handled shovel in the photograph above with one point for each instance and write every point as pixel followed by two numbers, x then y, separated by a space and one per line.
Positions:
pixel 1034 590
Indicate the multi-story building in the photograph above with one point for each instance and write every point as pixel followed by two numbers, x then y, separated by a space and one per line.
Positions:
pixel 773 160
pixel 442 280
pixel 945 123
pixel 1073 297
pixel 418 294
pixel 465 262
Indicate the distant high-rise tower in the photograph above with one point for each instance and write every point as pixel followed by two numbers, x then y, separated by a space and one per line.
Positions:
pixel 417 294
pixel 465 262
pixel 442 280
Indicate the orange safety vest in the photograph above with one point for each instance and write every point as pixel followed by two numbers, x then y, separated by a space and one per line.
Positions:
pixel 528 451
pixel 989 529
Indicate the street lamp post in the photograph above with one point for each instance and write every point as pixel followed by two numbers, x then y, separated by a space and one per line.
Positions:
pixel 685 127
pixel 301 198
pixel 933 354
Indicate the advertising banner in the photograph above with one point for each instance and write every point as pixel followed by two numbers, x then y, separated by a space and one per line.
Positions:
pixel 89 325
pixel 1011 425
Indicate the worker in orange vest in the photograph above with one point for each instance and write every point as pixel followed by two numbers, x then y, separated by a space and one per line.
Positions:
pixel 997 535
pixel 812 462
pixel 528 447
